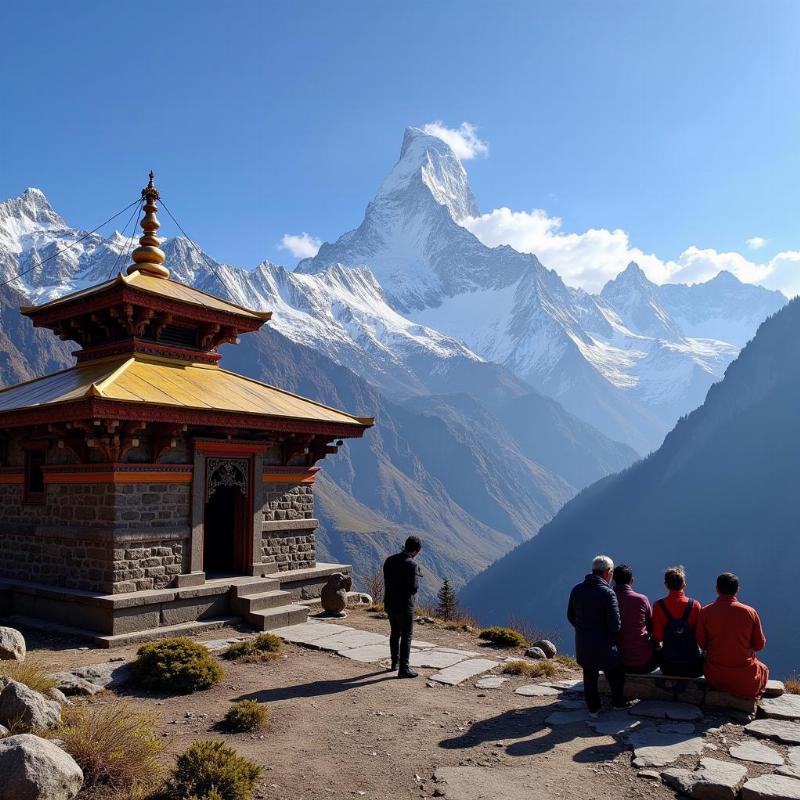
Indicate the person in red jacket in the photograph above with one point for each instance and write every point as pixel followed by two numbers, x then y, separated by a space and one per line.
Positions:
pixel 731 634
pixel 674 628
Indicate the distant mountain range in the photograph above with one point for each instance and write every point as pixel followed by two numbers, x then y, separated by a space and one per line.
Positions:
pixel 499 391
pixel 720 494
pixel 630 361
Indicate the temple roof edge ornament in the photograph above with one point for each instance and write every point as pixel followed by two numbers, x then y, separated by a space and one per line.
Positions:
pixel 148 257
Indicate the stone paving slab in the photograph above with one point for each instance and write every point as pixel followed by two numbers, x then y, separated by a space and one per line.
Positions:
pixel 780 730
pixel 462 671
pixel 465 653
pixel 615 723
pixel 712 779
pixel 664 709
pixel 651 748
pixel 537 690
pixel 568 686
pixel 774 688
pixel 786 706
pixel 368 654
pixel 435 659
pixel 349 640
pixel 567 717
pixel 686 728
pixel 490 682
pixel 793 756
pixel 757 753
pixel 307 632
pixel 420 645
pixel 771 787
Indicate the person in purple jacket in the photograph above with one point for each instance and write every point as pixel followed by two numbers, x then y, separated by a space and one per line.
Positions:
pixel 635 636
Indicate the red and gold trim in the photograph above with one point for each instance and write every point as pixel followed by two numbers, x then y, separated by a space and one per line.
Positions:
pixel 117 473
pixel 12 476
pixel 289 474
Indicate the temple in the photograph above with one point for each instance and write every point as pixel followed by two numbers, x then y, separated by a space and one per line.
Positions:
pixel 147 491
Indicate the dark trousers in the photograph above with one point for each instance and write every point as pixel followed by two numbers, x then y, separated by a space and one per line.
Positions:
pixel 402 629
pixel 616 680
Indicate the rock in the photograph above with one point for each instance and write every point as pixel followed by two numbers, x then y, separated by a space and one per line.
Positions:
pixel 334 594
pixel 712 780
pixel 108 674
pixel 650 774
pixel 789 771
pixel 569 686
pixel 757 753
pixel 12 645
pixel 536 653
pixel 20 705
pixel 358 599
pixel 424 620
pixel 537 690
pixel 490 682
pixel 547 646
pixel 58 696
pixel 460 672
pixel 771 787
pixel 652 748
pixel 778 729
pixel 35 769
pixel 664 709
pixel 793 756
pixel 787 706
pixel 4 731
pixel 774 689
pixel 71 685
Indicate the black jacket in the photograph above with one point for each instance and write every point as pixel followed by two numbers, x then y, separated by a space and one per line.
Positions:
pixel 401 581
pixel 594 613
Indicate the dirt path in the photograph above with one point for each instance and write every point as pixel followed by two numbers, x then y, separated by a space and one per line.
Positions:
pixel 341 729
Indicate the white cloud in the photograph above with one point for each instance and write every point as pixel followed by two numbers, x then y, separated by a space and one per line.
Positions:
pixel 463 140
pixel 756 242
pixel 301 245
pixel 591 258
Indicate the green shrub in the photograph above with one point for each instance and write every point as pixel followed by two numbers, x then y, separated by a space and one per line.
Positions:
pixel 29 673
pixel 246 715
pixel 211 770
pixel 503 637
pixel 264 647
pixel 116 748
pixel 177 665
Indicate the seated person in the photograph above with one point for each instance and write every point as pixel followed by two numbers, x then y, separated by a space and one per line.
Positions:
pixel 730 633
pixel 674 624
pixel 635 641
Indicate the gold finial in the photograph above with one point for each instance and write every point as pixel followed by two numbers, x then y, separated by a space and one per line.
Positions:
pixel 148 257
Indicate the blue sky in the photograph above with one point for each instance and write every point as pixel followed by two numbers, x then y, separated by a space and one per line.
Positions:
pixel 676 123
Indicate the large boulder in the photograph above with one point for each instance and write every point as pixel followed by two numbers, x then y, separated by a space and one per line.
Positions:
pixel 34 769
pixel 547 647
pixel 12 645
pixel 20 706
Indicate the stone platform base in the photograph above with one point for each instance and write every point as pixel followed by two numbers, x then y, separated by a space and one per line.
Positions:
pixel 113 620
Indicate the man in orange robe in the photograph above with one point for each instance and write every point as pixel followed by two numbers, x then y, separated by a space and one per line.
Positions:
pixel 730 633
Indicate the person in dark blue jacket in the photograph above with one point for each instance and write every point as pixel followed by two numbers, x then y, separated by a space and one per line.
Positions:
pixel 401 582
pixel 594 613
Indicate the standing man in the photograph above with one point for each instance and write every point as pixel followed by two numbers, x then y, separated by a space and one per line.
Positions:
pixel 401 582
pixel 594 613
pixel 731 634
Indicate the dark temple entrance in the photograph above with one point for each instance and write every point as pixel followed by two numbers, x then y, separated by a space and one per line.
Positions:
pixel 227 540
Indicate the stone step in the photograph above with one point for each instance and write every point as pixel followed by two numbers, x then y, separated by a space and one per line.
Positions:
pixel 257 586
pixel 260 601
pixel 279 617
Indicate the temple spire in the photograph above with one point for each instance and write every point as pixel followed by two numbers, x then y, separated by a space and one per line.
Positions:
pixel 148 257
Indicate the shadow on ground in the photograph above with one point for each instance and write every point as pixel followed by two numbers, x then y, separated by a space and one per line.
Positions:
pixel 318 688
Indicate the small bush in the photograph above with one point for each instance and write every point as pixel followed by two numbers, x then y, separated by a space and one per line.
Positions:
pixel 264 647
pixel 29 673
pixel 792 684
pixel 376 607
pixel 503 637
pixel 115 747
pixel 246 715
pixel 374 586
pixel 212 770
pixel 533 669
pixel 176 665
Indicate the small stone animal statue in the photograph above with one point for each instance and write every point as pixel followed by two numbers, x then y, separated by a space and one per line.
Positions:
pixel 334 594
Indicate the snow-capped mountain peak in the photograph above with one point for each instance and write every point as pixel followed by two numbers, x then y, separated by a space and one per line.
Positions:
pixel 427 161
pixel 21 216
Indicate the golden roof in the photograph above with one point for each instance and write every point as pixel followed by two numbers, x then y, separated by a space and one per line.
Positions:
pixel 140 379
pixel 163 287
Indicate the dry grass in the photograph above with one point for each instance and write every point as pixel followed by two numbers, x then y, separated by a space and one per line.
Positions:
pixel 460 622
pixel 375 607
pixel 29 673
pixel 568 662
pixel 532 669
pixel 115 746
pixel 792 684
pixel 265 647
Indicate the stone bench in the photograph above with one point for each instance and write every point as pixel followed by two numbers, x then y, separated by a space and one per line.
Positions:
pixel 658 686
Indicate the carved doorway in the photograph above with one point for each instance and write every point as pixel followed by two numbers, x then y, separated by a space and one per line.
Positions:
pixel 227 537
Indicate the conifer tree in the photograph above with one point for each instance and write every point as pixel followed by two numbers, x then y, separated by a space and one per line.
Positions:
pixel 447 608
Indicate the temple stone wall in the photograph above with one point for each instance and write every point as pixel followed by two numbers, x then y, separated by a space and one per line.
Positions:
pixel 291 546
pixel 148 563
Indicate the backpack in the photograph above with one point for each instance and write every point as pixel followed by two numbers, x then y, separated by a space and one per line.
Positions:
pixel 680 644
